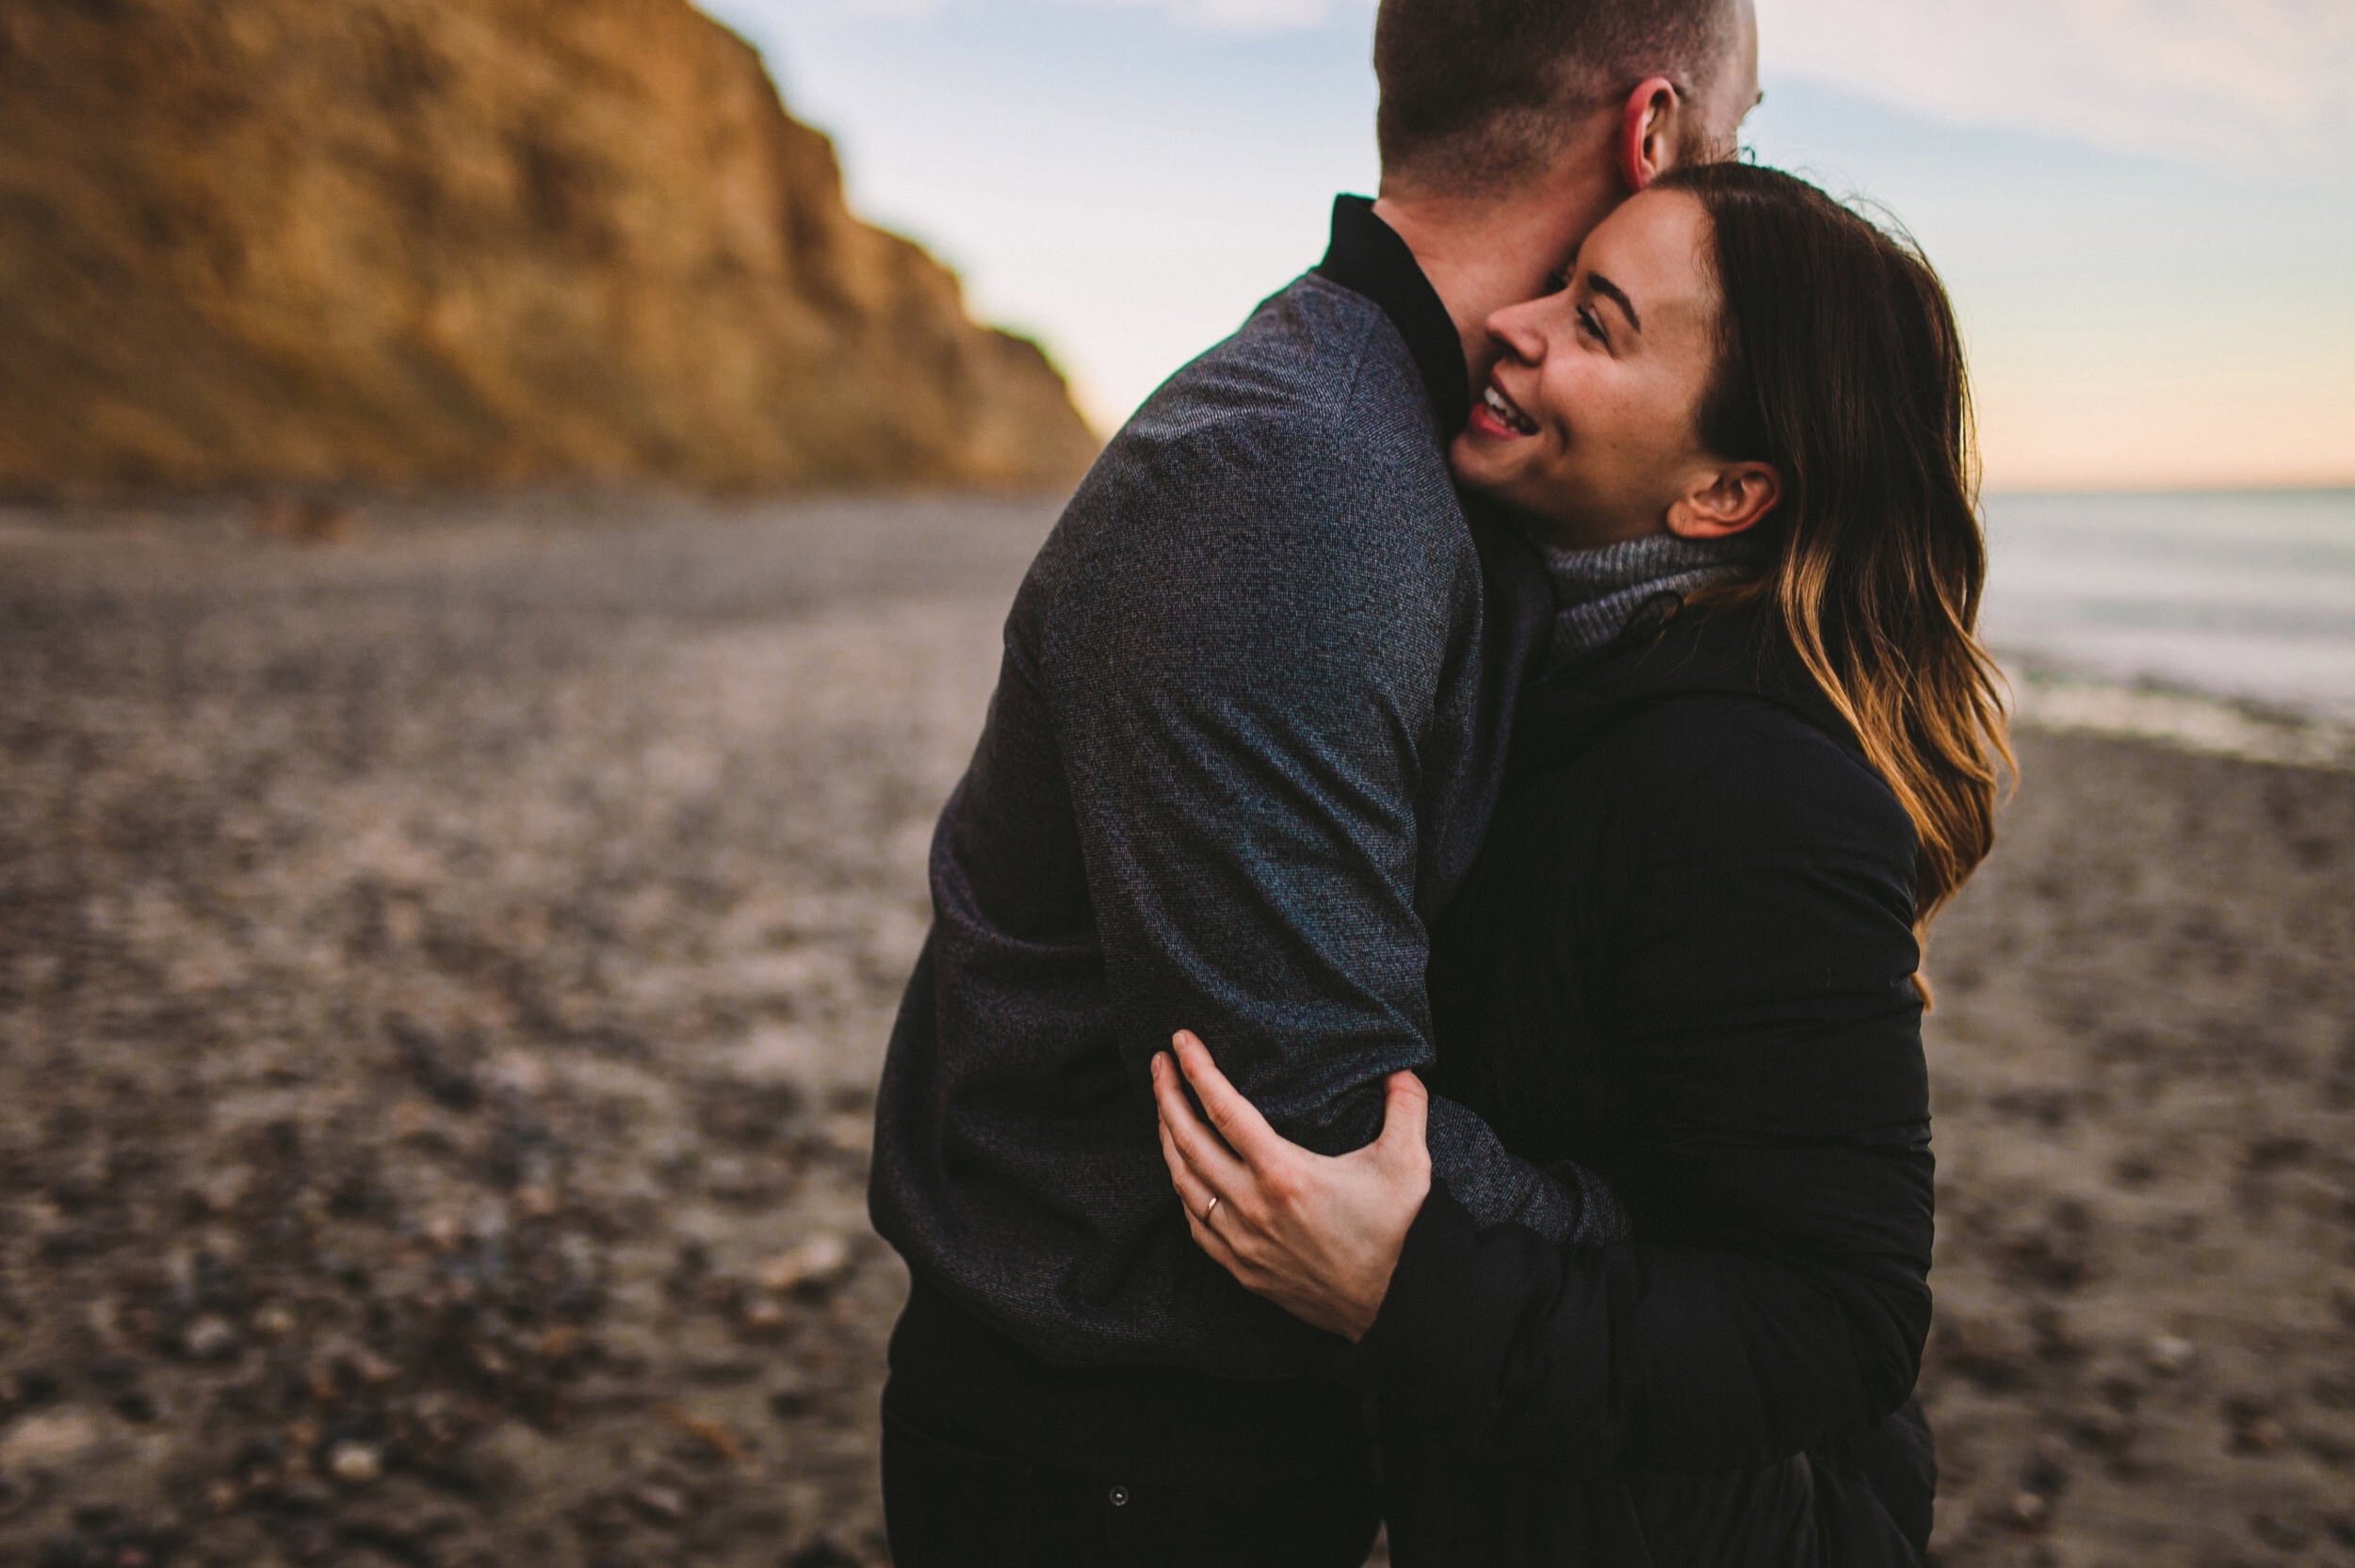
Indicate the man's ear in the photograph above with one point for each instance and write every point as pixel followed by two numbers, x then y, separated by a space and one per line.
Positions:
pixel 1649 132
pixel 1729 500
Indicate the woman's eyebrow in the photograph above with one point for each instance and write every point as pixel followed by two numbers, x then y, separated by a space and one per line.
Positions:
pixel 1617 296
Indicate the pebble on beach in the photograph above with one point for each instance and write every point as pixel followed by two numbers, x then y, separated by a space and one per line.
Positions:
pixel 355 1463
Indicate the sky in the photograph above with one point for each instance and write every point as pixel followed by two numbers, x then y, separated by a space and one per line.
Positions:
pixel 2145 208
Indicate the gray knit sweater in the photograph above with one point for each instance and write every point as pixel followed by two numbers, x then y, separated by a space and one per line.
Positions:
pixel 1247 736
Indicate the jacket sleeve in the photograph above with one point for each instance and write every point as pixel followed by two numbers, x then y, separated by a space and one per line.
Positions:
pixel 1243 695
pixel 1758 928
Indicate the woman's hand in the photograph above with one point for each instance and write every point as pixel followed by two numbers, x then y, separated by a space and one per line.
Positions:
pixel 1318 1237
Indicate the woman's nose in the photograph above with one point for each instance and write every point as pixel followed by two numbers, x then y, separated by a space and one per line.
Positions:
pixel 1518 332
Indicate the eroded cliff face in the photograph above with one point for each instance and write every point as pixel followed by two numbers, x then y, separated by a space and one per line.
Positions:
pixel 312 241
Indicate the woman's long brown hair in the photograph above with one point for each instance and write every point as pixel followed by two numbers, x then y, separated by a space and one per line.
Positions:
pixel 1840 365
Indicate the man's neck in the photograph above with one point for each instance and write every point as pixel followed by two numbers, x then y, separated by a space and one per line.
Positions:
pixel 1484 253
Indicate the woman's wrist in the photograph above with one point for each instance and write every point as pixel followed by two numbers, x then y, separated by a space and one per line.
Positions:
pixel 1369 1308
pixel 1415 1299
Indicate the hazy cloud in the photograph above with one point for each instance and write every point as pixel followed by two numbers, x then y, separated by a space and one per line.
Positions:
pixel 2252 82
pixel 1256 16
pixel 2246 82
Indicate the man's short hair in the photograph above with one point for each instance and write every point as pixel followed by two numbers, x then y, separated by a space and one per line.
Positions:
pixel 1480 92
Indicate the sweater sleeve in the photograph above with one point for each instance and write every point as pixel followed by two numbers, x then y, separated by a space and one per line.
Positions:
pixel 1759 927
pixel 1244 695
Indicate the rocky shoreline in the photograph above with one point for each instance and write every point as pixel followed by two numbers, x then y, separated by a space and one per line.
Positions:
pixel 443 973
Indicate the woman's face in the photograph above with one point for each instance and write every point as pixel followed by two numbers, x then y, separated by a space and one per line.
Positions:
pixel 1588 422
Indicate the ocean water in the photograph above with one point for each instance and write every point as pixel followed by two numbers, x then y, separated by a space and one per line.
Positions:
pixel 2247 596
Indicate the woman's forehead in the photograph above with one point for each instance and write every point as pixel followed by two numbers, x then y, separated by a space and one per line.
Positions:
pixel 1655 249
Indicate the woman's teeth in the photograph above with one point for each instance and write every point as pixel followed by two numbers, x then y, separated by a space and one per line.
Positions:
pixel 1507 415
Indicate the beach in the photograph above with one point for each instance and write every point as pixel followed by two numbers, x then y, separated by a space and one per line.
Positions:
pixel 446 947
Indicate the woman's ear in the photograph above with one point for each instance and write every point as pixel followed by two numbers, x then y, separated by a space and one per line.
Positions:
pixel 1729 500
pixel 1648 133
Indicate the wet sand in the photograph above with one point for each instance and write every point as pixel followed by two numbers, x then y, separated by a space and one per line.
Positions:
pixel 442 974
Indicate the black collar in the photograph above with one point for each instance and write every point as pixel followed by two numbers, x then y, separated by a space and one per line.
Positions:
pixel 1728 651
pixel 1367 257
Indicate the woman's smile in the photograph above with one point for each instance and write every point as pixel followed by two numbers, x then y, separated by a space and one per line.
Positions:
pixel 1499 418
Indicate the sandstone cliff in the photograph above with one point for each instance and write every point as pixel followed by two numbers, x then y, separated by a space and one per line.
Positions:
pixel 304 241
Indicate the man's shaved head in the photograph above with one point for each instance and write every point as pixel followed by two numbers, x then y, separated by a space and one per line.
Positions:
pixel 1478 94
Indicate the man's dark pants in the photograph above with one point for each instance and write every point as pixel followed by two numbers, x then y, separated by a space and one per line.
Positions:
pixel 992 1457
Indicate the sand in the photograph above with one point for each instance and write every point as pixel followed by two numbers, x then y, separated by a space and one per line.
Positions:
pixel 442 974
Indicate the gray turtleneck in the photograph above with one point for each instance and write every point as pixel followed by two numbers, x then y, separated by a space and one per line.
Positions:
pixel 1600 590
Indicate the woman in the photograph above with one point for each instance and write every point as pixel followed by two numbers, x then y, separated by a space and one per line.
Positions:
pixel 1766 755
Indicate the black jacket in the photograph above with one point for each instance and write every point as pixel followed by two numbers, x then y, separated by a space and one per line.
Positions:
pixel 1685 960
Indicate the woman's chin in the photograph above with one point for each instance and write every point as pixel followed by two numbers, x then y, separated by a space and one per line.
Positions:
pixel 1485 467
pixel 1472 463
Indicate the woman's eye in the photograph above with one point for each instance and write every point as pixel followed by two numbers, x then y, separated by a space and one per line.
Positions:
pixel 1593 323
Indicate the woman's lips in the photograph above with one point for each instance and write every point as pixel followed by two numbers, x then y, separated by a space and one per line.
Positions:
pixel 1496 414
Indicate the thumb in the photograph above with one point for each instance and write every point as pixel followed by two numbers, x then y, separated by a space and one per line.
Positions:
pixel 1405 1115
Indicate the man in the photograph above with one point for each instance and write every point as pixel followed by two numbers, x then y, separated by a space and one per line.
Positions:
pixel 1247 734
